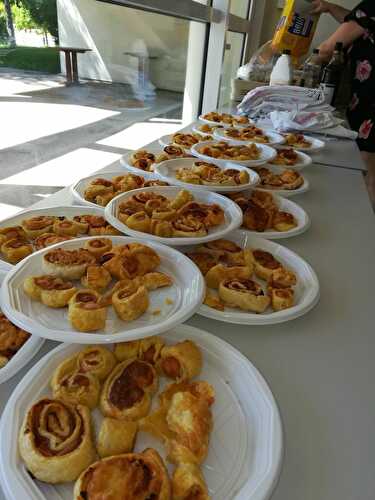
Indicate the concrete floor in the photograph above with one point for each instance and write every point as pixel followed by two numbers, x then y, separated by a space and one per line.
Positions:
pixel 52 135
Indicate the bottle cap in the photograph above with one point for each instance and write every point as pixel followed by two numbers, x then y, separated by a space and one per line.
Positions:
pixel 287 52
pixel 339 46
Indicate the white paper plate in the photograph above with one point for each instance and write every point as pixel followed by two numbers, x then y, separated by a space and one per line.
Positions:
pixel 66 211
pixel 125 161
pixel 195 129
pixel 23 355
pixel 316 145
pixel 287 193
pixel 225 125
pixel 266 154
pixel 284 205
pixel 166 171
pixel 303 161
pixel 273 137
pixel 306 291
pixel 186 292
pixel 167 140
pixel 78 189
pixel 233 215
pixel 246 445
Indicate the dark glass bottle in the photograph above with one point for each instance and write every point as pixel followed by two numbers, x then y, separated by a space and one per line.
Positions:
pixel 332 74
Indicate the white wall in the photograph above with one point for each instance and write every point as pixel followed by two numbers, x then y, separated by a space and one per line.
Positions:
pixel 110 30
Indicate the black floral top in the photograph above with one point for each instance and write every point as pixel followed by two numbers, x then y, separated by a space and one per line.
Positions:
pixel 361 110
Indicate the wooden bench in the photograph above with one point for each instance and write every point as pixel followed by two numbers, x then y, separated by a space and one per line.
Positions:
pixel 71 63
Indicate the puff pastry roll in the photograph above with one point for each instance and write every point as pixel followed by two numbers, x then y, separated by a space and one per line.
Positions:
pixel 127 391
pixel 153 281
pixel 282 278
pixel 181 199
pixel 16 250
pixel 182 361
pixel 116 437
pixel 148 260
pixel 65 227
pixel 281 298
pixel 265 264
pixel 162 228
pixel 205 261
pixel 86 313
pixel 70 385
pixel 147 349
pixel 12 339
pixel 188 483
pixel 130 302
pixel 284 221
pixel 48 239
pixel 135 476
pixel 98 246
pixel 187 227
pixel 12 233
pixel 96 277
pixel 139 221
pixel 69 264
pixel 222 272
pixel 52 291
pixel 96 360
pixel 55 441
pixel 35 226
pixel 222 248
pixel 244 294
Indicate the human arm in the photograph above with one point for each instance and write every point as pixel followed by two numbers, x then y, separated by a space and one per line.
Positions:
pixel 336 11
pixel 346 33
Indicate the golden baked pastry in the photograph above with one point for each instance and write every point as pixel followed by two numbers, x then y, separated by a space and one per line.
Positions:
pixel 281 298
pixel 265 264
pixel 147 349
pixel 86 313
pixel 95 225
pixel 12 233
pixel 245 294
pixel 74 387
pixel 170 152
pixel 250 133
pixel 284 221
pixel 130 301
pixel 98 246
pixel 139 221
pixel 257 218
pixel 287 179
pixel 188 483
pixel 69 264
pixel 297 140
pixel 212 300
pixel 187 140
pixel 116 437
pixel 12 339
pixel 285 156
pixel 142 159
pixel 187 227
pixel 35 226
pixel 222 272
pixel 205 261
pixel 153 281
pixel 47 239
pixel 208 129
pixel 227 251
pixel 128 389
pixel 52 291
pixel 135 476
pixel 214 116
pixel 96 360
pixel 96 277
pixel 180 362
pixel 55 441
pixel 226 151
pixel 65 227
pixel 98 187
pixel 16 250
pixel 282 278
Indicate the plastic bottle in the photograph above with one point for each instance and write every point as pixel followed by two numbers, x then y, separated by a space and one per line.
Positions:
pixel 332 74
pixel 312 70
pixel 282 73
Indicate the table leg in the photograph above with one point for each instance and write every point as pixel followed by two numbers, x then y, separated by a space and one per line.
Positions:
pixel 68 65
pixel 75 67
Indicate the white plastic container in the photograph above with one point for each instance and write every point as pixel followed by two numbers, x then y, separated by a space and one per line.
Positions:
pixel 282 73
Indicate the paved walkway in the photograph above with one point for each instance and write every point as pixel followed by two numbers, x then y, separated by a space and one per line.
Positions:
pixel 53 135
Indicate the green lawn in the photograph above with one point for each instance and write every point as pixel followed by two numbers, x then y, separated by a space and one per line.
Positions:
pixel 44 59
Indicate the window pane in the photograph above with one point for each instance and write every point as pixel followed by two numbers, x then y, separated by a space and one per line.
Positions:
pixel 239 7
pixel 231 62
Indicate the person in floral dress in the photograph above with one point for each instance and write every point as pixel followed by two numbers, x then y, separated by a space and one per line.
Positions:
pixel 357 33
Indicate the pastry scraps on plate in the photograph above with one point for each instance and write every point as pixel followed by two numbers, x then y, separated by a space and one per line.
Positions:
pixel 35 233
pixel 151 212
pixel 12 339
pixel 58 443
pixel 208 129
pixel 101 191
pixel 230 273
pixel 285 156
pixel 226 118
pixel 186 140
pixel 120 276
pixel 287 179
pixel 251 133
pixel 225 151
pixel 261 212
pixel 297 141
pixel 208 174
pixel 144 160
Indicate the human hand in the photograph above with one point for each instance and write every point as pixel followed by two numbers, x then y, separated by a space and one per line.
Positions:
pixel 320 6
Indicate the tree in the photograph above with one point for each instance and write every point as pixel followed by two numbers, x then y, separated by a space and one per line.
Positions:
pixel 9 21
pixel 44 15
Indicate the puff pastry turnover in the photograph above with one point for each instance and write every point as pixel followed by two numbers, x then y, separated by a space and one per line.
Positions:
pixel 116 437
pixel 182 361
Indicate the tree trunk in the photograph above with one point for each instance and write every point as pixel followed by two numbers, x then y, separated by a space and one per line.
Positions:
pixel 10 26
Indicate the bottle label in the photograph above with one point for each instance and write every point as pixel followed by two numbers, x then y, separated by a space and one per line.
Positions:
pixel 301 26
pixel 329 91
